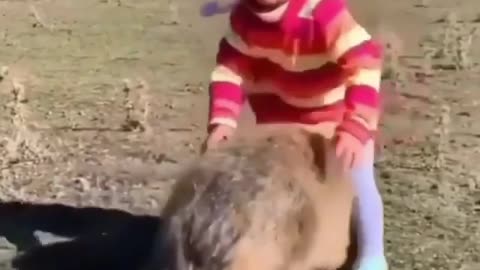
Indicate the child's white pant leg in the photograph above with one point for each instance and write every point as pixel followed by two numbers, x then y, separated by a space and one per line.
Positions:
pixel 369 209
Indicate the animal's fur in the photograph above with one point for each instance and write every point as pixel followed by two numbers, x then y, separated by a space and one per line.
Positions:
pixel 273 201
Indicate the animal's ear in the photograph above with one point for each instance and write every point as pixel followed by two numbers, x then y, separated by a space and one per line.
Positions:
pixel 318 145
pixel 182 193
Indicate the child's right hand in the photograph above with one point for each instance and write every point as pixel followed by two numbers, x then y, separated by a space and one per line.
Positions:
pixel 219 134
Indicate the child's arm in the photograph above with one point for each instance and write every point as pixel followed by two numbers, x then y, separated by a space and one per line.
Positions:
pixel 351 46
pixel 226 95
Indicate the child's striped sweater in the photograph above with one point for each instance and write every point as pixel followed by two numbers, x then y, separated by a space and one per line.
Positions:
pixel 306 62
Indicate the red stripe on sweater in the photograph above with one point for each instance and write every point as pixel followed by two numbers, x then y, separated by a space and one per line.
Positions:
pixel 300 84
pixel 362 94
pixel 228 91
pixel 270 108
pixel 233 59
pixel 327 11
pixel 368 54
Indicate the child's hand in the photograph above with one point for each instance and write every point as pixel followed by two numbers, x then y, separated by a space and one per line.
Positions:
pixel 218 135
pixel 349 149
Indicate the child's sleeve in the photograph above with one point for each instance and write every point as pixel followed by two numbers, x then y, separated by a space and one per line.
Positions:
pixel 226 94
pixel 352 47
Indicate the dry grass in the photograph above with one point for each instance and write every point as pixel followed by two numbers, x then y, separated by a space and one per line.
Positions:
pixel 174 12
pixel 115 182
pixel 136 104
pixel 71 162
pixel 450 47
pixel 442 130
pixel 39 20
pixel 393 69
pixel 423 3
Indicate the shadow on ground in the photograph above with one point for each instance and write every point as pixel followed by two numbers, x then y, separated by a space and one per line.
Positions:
pixel 102 239
pixel 97 238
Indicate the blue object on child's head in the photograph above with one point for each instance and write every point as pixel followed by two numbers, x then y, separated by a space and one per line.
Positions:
pixel 209 9
pixel 213 8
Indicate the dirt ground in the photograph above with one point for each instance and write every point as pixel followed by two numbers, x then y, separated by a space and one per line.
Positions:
pixel 66 136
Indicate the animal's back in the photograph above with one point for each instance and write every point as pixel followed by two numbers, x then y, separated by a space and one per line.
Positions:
pixel 249 205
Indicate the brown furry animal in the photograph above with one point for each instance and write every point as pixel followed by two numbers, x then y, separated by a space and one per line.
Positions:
pixel 273 201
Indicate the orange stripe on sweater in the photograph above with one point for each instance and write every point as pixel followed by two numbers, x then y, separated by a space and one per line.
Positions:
pixel 342 23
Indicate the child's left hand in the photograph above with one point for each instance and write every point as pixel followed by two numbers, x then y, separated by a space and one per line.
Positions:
pixel 349 149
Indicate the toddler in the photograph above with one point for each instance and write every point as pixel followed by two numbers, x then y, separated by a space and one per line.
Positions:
pixel 306 62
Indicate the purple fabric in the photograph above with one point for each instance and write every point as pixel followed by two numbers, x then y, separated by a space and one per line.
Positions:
pixel 213 8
